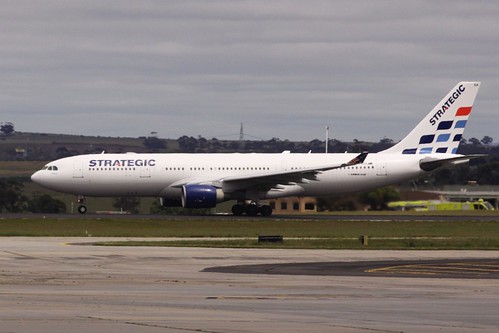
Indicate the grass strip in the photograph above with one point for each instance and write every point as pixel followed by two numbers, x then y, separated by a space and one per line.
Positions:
pixel 229 227
pixel 328 244
pixel 459 233
pixel 131 227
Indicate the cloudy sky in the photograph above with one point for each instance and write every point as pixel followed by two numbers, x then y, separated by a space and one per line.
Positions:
pixel 286 69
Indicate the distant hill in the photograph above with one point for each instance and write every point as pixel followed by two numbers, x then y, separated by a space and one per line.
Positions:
pixel 45 147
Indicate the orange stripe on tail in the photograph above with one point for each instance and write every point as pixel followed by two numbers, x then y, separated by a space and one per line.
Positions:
pixel 464 111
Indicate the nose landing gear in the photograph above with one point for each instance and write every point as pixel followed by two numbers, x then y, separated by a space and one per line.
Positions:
pixel 82 209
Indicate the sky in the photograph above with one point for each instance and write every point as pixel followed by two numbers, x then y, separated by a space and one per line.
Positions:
pixel 285 69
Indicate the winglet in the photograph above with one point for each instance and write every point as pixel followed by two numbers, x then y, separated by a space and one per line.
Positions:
pixel 357 159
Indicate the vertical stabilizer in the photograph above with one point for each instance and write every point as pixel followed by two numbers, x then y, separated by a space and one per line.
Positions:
pixel 441 130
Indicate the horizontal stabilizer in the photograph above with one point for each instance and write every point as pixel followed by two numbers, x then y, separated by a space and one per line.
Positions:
pixel 432 163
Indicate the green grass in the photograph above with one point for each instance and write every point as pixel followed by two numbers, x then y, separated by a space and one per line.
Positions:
pixel 329 244
pixel 19 168
pixel 458 234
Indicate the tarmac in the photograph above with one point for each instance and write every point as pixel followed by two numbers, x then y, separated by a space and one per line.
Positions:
pixel 48 285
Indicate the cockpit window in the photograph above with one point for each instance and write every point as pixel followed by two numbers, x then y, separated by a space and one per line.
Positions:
pixel 50 167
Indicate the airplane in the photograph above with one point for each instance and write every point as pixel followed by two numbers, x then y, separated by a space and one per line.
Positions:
pixel 204 180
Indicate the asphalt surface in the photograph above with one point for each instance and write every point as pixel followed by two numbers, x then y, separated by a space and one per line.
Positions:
pixel 446 269
pixel 47 285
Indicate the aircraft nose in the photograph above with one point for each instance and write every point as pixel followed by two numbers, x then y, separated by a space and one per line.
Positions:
pixel 36 177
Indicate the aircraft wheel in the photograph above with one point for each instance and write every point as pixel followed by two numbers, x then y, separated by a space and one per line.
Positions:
pixel 265 210
pixel 82 209
pixel 251 210
pixel 238 210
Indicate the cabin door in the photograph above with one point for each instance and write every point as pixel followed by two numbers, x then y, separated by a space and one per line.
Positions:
pixel 78 169
pixel 382 169
pixel 145 171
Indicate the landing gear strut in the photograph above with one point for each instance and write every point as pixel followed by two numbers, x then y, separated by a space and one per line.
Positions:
pixel 251 209
pixel 82 209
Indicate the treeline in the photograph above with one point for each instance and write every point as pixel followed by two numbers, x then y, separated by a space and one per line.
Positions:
pixel 37 147
pixel 189 144
pixel 13 199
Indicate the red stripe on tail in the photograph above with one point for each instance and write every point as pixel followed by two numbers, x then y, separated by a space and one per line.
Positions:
pixel 464 111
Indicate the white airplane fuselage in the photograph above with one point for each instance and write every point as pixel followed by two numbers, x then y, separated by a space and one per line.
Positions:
pixel 155 175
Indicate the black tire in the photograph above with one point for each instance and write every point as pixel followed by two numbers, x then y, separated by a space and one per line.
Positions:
pixel 238 210
pixel 265 210
pixel 82 209
pixel 251 210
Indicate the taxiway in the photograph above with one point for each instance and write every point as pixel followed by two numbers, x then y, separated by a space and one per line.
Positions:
pixel 47 285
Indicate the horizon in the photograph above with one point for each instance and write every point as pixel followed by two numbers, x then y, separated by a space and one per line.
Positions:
pixel 219 139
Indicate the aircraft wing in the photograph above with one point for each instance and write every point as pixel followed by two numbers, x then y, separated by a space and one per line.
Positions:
pixel 269 179
pixel 432 163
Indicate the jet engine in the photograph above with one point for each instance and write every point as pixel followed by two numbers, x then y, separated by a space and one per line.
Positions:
pixel 201 196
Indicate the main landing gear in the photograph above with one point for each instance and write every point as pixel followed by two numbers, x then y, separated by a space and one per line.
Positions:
pixel 251 209
pixel 82 209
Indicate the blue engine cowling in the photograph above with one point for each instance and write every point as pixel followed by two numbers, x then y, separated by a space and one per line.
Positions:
pixel 201 196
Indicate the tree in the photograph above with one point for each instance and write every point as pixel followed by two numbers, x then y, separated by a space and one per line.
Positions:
pixel 383 144
pixel 378 199
pixel 11 198
pixel 153 142
pixel 7 128
pixel 187 144
pixel 202 144
pixel 44 203
pixel 62 152
pixel 474 141
pixel 487 174
pixel 487 140
pixel 343 203
pixel 127 204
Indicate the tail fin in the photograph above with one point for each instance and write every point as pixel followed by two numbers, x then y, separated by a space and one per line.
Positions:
pixel 441 130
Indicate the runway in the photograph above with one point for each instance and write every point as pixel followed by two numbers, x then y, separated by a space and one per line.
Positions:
pixel 49 286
